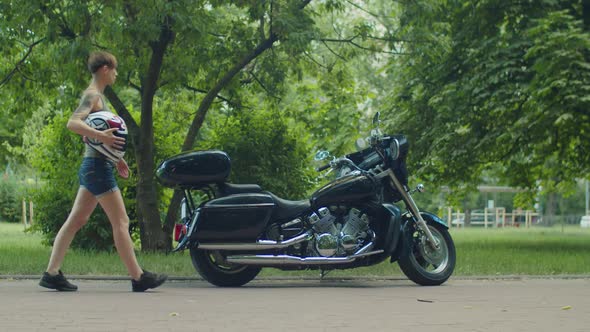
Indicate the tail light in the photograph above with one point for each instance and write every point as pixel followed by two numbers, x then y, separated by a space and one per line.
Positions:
pixel 179 231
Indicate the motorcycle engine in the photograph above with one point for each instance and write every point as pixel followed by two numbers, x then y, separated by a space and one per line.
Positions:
pixel 337 236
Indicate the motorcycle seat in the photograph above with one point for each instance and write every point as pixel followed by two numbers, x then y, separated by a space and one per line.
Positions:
pixel 286 209
pixel 226 189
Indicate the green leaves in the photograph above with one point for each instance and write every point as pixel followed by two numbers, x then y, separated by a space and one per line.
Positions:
pixel 265 150
pixel 512 90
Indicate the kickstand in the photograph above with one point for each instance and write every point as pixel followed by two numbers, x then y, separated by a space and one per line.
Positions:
pixel 324 273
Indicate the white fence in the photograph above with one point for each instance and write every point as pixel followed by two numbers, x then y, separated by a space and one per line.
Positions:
pixel 28 222
pixel 494 217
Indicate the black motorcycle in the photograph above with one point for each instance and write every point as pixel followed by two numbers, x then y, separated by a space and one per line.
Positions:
pixel 348 223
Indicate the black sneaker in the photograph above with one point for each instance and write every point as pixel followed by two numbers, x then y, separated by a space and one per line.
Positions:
pixel 58 282
pixel 148 280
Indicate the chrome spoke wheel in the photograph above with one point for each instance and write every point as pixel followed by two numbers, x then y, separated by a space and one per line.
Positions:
pixel 430 259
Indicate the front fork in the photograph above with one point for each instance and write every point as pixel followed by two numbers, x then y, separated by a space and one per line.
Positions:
pixel 432 241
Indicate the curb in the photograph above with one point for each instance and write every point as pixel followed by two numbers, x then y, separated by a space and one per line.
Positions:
pixel 285 278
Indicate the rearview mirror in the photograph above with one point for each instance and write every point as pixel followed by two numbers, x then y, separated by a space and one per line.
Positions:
pixel 321 155
pixel 376 118
pixel 360 144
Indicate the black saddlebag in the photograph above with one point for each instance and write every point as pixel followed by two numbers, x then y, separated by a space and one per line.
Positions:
pixel 234 218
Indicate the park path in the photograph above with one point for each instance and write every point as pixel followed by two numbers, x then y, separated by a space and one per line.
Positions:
pixel 301 305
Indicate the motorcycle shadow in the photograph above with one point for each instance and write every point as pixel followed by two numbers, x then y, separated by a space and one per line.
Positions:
pixel 331 283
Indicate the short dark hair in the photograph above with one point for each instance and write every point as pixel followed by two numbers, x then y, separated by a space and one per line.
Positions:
pixel 99 59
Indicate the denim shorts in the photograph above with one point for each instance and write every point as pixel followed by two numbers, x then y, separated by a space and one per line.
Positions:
pixel 97 176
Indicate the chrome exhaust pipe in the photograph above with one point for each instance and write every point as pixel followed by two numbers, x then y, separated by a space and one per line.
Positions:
pixel 259 245
pixel 294 260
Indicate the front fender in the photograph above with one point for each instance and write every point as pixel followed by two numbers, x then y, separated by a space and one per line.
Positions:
pixel 427 216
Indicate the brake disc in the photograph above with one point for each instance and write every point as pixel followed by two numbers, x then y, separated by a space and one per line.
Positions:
pixel 431 255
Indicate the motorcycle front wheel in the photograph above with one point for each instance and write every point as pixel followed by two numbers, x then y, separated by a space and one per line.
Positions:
pixel 211 265
pixel 424 265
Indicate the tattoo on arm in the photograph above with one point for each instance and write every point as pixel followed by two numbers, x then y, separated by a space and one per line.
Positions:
pixel 85 107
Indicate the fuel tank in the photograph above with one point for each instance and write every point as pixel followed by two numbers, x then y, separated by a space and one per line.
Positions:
pixel 345 189
pixel 194 169
pixel 234 218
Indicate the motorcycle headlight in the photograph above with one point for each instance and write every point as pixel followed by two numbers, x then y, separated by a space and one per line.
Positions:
pixel 394 149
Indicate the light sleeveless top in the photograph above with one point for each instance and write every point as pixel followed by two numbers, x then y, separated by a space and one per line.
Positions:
pixel 88 151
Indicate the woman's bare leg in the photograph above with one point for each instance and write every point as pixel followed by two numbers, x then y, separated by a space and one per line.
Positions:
pixel 112 204
pixel 84 205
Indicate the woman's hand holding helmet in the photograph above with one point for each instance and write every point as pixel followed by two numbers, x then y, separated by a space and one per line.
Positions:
pixel 108 137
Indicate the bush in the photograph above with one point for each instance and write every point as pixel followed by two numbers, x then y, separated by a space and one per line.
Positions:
pixel 265 150
pixel 11 196
pixel 54 203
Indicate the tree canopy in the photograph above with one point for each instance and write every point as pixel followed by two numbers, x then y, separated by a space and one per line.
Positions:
pixel 500 86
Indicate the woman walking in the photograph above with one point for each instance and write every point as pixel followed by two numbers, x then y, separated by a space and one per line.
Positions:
pixel 98 185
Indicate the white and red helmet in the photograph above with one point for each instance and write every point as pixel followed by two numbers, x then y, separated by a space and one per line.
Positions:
pixel 104 120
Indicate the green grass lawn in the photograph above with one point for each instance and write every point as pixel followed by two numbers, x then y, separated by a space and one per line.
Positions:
pixel 510 251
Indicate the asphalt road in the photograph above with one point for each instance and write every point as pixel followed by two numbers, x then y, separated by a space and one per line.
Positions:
pixel 301 305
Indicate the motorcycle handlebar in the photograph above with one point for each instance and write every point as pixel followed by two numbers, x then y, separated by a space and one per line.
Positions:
pixel 338 162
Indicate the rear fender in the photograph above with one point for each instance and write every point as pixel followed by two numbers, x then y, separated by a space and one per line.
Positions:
pixel 189 239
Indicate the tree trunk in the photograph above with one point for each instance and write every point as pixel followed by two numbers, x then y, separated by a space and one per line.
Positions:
pixel 118 105
pixel 467 220
pixel 586 14
pixel 551 208
pixel 151 234
pixel 172 213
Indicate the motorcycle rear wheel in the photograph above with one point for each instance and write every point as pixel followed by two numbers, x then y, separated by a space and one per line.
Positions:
pixel 425 266
pixel 211 265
